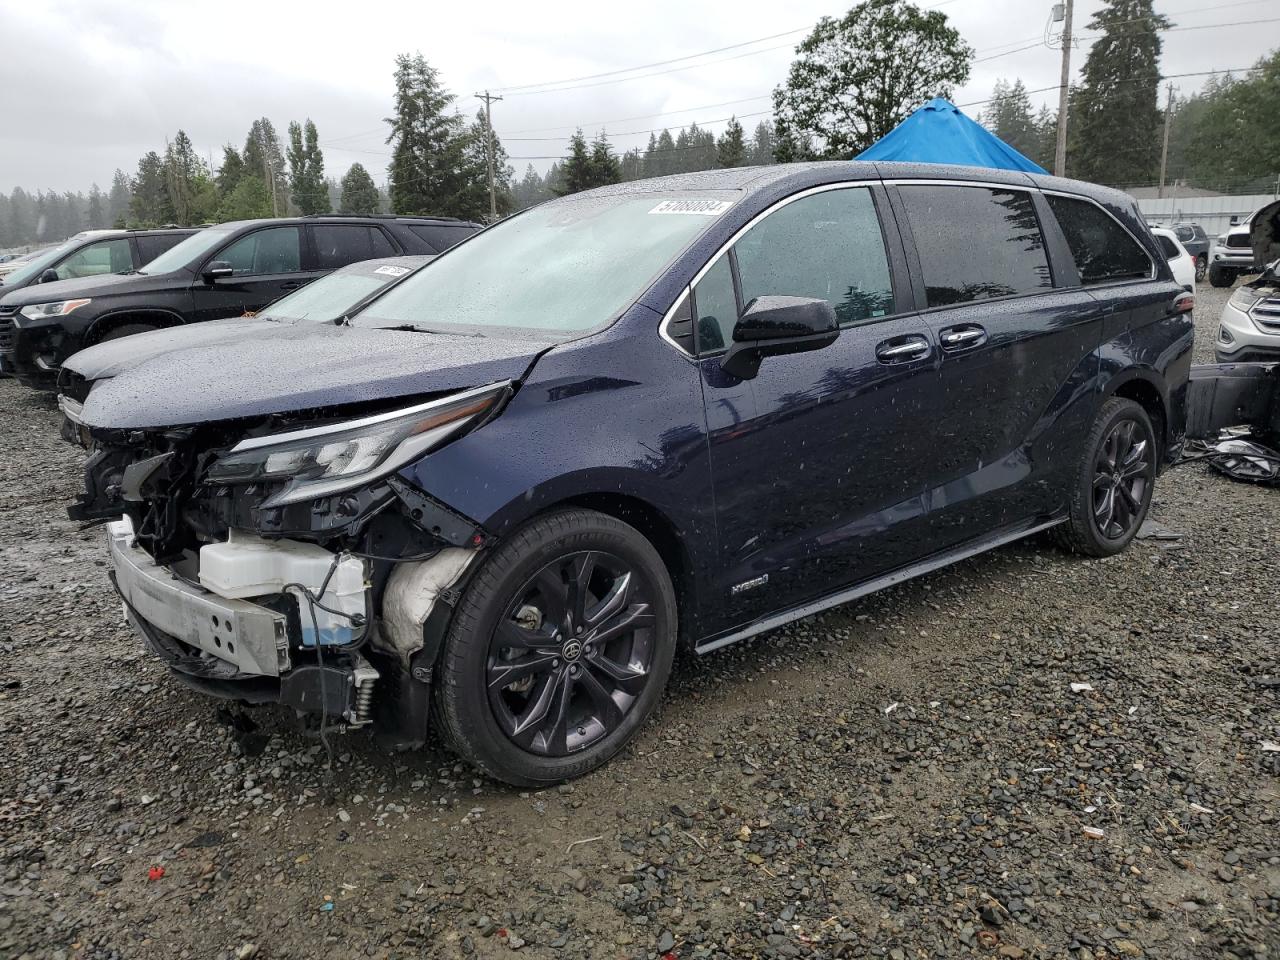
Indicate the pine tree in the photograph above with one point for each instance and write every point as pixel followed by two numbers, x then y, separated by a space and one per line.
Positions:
pixel 250 199
pixel 95 213
pixel 762 145
pixel 21 216
pixel 631 164
pixel 664 156
pixel 1115 119
pixel 605 168
pixel 701 149
pixel 306 169
pixel 476 183
pixel 230 172
pixel 1046 129
pixel 431 169
pixel 730 150
pixel 530 189
pixel 119 199
pixel 578 174
pixel 150 205
pixel 183 171
pixel 359 192
pixel 1009 117
pixel 264 159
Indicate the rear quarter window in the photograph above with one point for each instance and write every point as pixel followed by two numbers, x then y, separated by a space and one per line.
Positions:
pixel 440 237
pixel 1103 250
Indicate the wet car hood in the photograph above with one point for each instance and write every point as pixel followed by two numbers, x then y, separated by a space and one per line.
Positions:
pixel 114 357
pixel 104 286
pixel 294 368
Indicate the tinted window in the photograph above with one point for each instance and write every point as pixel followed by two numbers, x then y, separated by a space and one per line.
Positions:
pixel 105 256
pixel 716 308
pixel 1185 234
pixel 274 250
pixel 1168 246
pixel 440 237
pixel 340 244
pixel 151 247
pixel 976 243
pixel 1103 250
pixel 827 246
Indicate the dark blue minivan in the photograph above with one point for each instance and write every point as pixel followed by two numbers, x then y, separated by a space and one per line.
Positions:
pixel 671 412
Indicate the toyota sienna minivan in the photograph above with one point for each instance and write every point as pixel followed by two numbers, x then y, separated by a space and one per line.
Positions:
pixel 673 412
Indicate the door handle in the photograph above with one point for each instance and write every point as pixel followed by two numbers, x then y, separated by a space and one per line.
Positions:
pixel 903 349
pixel 962 337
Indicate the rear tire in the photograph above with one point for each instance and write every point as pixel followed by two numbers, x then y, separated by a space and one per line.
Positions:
pixel 559 649
pixel 1112 491
pixel 1220 277
pixel 1202 267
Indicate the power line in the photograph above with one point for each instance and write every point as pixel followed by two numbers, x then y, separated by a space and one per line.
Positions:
pixel 657 63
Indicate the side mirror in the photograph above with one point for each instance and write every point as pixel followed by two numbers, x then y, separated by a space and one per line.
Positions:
pixel 772 326
pixel 50 275
pixel 217 270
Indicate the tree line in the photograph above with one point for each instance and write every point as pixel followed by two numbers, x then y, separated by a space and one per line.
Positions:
pixel 853 79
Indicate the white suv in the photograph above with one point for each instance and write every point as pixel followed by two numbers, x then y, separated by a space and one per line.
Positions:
pixel 1233 254
pixel 1249 329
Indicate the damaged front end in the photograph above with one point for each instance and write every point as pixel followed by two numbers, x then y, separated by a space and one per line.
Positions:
pixel 285 560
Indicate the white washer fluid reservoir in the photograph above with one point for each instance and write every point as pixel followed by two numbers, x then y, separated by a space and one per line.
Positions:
pixel 249 566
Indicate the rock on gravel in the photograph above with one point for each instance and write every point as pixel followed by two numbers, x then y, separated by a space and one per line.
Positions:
pixel 776 808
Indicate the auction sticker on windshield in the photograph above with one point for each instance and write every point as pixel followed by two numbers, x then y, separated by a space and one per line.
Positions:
pixel 700 208
pixel 391 271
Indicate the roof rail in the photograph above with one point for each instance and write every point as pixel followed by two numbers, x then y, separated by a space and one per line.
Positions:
pixel 382 216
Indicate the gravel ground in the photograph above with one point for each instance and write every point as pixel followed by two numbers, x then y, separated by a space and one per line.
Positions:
pixel 910 776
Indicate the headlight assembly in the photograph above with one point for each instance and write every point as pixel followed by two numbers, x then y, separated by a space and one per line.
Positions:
pixel 58 308
pixel 1244 298
pixel 322 460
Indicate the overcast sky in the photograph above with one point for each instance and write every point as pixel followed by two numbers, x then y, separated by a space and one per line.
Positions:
pixel 88 87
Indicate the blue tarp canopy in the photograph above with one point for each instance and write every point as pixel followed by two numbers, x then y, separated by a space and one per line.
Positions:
pixel 939 133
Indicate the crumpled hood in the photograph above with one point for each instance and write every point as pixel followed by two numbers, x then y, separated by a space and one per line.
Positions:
pixel 1264 234
pixel 114 357
pixel 293 368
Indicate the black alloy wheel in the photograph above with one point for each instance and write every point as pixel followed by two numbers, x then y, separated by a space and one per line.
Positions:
pixel 1122 472
pixel 558 651
pixel 572 653
pixel 1111 492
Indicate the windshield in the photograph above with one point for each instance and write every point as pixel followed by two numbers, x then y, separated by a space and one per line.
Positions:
pixel 37 264
pixel 562 268
pixel 326 299
pixel 192 248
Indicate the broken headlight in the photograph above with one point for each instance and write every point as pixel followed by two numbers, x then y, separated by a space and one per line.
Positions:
pixel 322 460
pixel 1244 298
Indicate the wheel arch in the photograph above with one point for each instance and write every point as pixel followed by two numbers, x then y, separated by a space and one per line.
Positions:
pixel 1147 389
pixel 154 316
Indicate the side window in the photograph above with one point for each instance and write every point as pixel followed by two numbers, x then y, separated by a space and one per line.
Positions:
pixel 1168 246
pixel 340 244
pixel 274 250
pixel 1103 250
pixel 151 247
pixel 381 245
pixel 828 246
pixel 1185 234
pixel 440 237
pixel 715 308
pixel 976 243
pixel 105 256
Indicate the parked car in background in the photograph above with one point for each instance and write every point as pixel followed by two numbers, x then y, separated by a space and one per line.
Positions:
pixel 1181 262
pixel 1196 242
pixel 328 300
pixel 93 253
pixel 699 408
pixel 1249 329
pixel 17 260
pixel 1234 253
pixel 215 273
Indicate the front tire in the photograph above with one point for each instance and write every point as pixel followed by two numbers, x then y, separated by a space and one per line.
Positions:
pixel 1221 277
pixel 1112 491
pixel 558 651
pixel 1202 267
pixel 126 330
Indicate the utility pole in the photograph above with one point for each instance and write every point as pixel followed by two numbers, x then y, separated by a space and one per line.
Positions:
pixel 1164 150
pixel 271 176
pixel 1060 153
pixel 488 99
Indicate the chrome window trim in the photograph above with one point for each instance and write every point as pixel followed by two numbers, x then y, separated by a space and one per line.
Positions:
pixel 1151 274
pixel 725 247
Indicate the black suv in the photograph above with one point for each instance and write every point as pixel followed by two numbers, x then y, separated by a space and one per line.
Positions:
pixel 218 272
